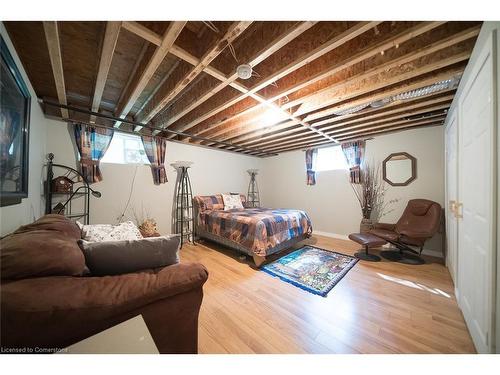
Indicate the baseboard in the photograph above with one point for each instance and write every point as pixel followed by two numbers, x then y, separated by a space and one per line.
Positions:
pixel 432 253
pixel 331 235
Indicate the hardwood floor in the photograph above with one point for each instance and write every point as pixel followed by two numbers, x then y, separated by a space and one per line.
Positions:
pixel 380 307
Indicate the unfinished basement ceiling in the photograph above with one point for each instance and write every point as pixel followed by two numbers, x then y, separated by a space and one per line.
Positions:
pixel 313 83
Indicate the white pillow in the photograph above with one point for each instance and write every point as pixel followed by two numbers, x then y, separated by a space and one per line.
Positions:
pixel 108 232
pixel 232 201
pixel 96 232
pixel 124 231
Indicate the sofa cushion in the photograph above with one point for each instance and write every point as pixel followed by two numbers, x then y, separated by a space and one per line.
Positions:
pixel 120 257
pixel 54 312
pixel 40 252
pixel 53 222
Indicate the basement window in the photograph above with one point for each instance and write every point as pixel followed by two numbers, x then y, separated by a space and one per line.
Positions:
pixel 330 159
pixel 125 149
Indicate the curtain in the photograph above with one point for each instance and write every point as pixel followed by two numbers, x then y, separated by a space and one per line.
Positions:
pixel 311 155
pixel 92 143
pixel 156 148
pixel 354 154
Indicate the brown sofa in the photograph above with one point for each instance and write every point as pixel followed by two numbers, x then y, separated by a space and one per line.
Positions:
pixel 47 301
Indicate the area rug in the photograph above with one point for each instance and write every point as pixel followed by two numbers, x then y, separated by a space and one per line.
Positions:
pixel 312 269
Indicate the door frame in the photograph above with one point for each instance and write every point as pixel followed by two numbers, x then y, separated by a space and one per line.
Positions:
pixel 488 49
pixel 452 120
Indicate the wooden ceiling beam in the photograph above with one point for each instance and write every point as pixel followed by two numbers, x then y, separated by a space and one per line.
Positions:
pixel 264 53
pixel 413 84
pixel 426 59
pixel 108 49
pixel 404 114
pixel 169 37
pixel 287 134
pixel 371 127
pixel 213 72
pixel 384 79
pixel 291 141
pixel 413 55
pixel 390 108
pixel 143 32
pixel 344 64
pixel 301 137
pixel 234 31
pixel 333 43
pixel 237 134
pixel 256 135
pixel 308 144
pixel 392 130
pixel 305 144
pixel 240 136
pixel 51 30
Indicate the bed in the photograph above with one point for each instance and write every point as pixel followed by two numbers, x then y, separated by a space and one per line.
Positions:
pixel 258 232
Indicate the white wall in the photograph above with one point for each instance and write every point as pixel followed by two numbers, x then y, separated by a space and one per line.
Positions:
pixel 32 207
pixel 212 172
pixel 331 203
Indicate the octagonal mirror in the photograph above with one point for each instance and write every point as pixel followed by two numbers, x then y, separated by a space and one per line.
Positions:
pixel 399 169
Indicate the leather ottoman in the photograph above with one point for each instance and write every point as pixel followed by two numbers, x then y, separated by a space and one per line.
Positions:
pixel 367 240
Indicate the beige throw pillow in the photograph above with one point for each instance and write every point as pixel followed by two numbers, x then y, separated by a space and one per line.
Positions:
pixel 232 201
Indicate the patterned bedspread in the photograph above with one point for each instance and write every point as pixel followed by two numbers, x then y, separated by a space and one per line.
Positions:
pixel 257 229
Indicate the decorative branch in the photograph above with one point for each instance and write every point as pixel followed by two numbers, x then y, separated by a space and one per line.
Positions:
pixel 370 193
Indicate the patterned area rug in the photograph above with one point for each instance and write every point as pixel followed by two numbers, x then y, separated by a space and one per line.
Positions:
pixel 312 269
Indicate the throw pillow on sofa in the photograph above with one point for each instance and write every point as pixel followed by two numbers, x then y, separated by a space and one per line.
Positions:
pixel 108 232
pixel 119 257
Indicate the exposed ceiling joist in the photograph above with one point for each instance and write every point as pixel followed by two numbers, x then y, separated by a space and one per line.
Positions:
pixel 234 31
pixel 143 32
pixel 51 30
pixel 438 121
pixel 365 54
pixel 169 37
pixel 108 48
pixel 389 109
pixel 262 136
pixel 281 134
pixel 371 127
pixel 416 58
pixel 391 91
pixel 342 133
pixel 388 128
pixel 264 53
pixel 407 114
pixel 382 78
pixel 333 43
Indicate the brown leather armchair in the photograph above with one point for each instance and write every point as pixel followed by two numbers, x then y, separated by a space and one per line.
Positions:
pixel 419 222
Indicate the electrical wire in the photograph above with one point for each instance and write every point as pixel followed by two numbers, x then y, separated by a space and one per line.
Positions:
pixel 120 218
pixel 233 52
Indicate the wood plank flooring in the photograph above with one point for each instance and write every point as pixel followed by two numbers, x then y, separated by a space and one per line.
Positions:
pixel 380 307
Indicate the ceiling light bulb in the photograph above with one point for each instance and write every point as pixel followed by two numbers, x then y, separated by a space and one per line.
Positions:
pixel 244 71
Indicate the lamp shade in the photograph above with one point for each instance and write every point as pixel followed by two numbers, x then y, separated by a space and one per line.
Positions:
pixel 181 164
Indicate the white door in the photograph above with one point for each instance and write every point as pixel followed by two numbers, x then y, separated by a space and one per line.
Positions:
pixel 476 192
pixel 451 148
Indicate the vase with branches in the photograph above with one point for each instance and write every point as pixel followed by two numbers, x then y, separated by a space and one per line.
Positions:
pixel 370 194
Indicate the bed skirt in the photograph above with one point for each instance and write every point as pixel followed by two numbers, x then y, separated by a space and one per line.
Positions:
pixel 201 233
